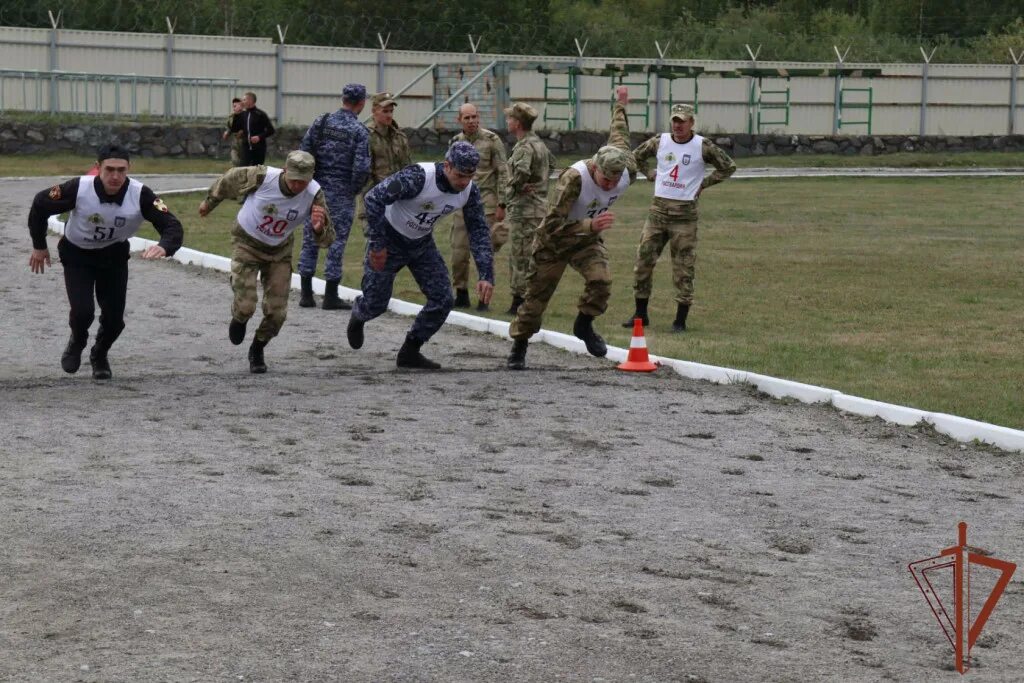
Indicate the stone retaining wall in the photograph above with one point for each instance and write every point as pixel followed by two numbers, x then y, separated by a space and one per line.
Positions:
pixel 153 140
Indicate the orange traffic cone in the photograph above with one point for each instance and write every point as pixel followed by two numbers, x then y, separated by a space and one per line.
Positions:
pixel 638 360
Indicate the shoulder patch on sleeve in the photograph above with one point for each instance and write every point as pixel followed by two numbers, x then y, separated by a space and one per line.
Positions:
pixel 55 192
pixel 159 205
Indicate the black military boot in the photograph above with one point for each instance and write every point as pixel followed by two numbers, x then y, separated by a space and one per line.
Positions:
pixel 517 359
pixel 99 362
pixel 679 324
pixel 461 298
pixel 306 299
pixel 409 356
pixel 331 300
pixel 71 359
pixel 517 301
pixel 257 365
pixel 354 332
pixel 236 331
pixel 641 312
pixel 584 329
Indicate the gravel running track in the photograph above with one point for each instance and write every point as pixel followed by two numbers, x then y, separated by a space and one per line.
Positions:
pixel 340 520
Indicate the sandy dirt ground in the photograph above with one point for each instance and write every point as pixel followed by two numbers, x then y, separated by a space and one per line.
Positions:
pixel 340 520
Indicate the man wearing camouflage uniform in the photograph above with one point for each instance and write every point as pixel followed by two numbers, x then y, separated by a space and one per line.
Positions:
pixel 491 175
pixel 526 193
pixel 236 138
pixel 571 235
pixel 672 220
pixel 276 202
pixel 401 212
pixel 339 143
pixel 389 147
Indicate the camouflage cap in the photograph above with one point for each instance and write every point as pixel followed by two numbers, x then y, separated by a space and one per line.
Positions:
pixel 299 166
pixel 463 157
pixel 683 111
pixel 354 93
pixel 383 99
pixel 522 112
pixel 612 161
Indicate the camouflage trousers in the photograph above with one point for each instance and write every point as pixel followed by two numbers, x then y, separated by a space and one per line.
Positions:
pixel 460 248
pixel 427 266
pixel 521 231
pixel 342 208
pixel 236 154
pixel 274 266
pixel 681 236
pixel 588 257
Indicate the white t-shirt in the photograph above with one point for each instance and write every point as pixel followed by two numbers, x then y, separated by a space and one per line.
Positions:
pixel 271 217
pixel 415 218
pixel 93 224
pixel 680 168
pixel 594 201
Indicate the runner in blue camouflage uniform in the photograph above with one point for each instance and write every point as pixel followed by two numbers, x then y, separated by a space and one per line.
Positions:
pixel 401 213
pixel 339 143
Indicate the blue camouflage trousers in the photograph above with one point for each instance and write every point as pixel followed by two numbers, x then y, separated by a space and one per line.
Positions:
pixel 428 269
pixel 342 207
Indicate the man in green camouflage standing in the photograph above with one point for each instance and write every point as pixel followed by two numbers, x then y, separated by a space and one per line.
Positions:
pixel 491 175
pixel 672 219
pixel 236 138
pixel 571 234
pixel 275 202
pixel 389 147
pixel 526 193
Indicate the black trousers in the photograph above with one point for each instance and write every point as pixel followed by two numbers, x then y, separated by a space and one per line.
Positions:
pixel 99 273
pixel 254 155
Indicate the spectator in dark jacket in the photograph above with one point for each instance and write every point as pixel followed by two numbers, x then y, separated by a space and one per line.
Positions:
pixel 256 126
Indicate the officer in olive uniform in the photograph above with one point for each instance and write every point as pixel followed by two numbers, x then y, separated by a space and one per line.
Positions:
pixel 389 146
pixel 491 175
pixel 681 156
pixel 526 193
pixel 276 203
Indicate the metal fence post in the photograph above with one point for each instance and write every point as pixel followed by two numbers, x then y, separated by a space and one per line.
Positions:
pixel 575 82
pixel 657 84
pixel 923 127
pixel 380 60
pixel 837 112
pixel 279 74
pixel 169 71
pixel 52 59
pixel 1014 74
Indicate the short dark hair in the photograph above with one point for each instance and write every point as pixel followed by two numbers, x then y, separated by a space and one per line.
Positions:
pixel 112 151
pixel 252 95
pixel 235 100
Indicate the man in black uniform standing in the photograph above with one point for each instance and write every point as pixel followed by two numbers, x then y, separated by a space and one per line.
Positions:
pixel 105 211
pixel 255 126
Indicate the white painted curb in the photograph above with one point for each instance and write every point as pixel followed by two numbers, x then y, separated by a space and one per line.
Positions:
pixel 959 428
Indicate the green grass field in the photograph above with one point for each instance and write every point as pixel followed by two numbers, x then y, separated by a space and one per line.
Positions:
pixel 71 165
pixel 909 291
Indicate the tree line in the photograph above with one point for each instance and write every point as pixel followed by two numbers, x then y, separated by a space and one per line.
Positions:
pixel 800 30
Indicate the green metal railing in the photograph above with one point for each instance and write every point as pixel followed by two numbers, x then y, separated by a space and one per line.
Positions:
pixel 56 92
pixel 640 104
pixel 858 105
pixel 767 107
pixel 568 98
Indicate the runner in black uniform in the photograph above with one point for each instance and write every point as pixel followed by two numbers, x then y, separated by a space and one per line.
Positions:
pixel 105 211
